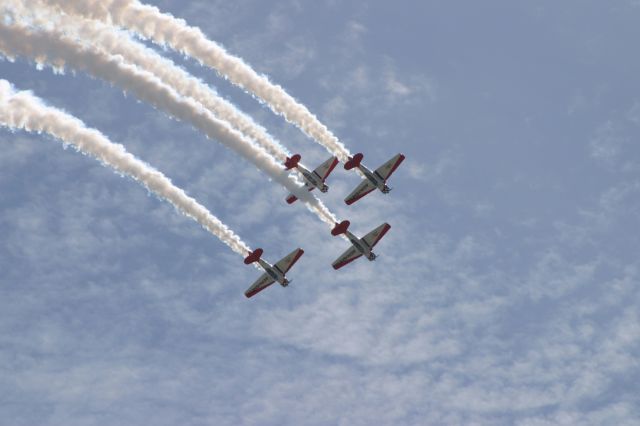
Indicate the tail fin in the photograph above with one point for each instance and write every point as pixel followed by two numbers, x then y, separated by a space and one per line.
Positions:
pixel 292 162
pixel 254 256
pixel 353 161
pixel 340 228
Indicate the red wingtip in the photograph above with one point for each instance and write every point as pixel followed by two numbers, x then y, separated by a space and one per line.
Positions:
pixel 291 199
pixel 354 161
pixel 254 256
pixel 340 228
pixel 292 162
pixel 395 166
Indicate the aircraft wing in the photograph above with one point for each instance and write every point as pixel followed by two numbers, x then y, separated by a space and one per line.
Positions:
pixel 292 198
pixel 347 257
pixel 361 190
pixel 389 167
pixel 261 283
pixel 324 169
pixel 376 235
pixel 288 261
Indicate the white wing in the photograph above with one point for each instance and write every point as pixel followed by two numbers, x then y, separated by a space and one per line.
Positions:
pixel 361 190
pixel 287 262
pixel 324 169
pixel 389 167
pixel 374 236
pixel 348 256
pixel 261 283
pixel 292 198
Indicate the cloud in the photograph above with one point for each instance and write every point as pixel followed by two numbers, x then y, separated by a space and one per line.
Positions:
pixel 465 318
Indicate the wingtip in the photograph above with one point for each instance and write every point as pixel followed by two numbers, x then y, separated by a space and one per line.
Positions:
pixel 291 199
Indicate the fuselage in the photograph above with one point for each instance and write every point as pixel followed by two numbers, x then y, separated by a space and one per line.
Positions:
pixel 313 179
pixel 374 178
pixel 361 246
pixel 274 273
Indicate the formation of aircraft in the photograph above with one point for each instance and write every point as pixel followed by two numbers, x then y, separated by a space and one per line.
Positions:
pixel 315 179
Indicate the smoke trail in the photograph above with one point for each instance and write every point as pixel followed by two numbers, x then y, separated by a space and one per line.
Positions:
pixel 117 42
pixel 22 110
pixel 49 46
pixel 165 29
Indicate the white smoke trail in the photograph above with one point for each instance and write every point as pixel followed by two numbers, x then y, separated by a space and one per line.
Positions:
pixel 165 29
pixel 117 42
pixel 47 46
pixel 22 110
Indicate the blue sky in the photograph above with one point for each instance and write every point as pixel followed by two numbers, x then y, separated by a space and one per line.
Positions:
pixel 506 291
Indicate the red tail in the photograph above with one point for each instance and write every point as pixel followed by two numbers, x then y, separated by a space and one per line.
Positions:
pixel 292 162
pixel 353 161
pixel 254 256
pixel 340 228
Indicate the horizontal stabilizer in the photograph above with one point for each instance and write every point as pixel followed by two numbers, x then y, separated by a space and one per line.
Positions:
pixel 292 162
pixel 354 161
pixel 254 256
pixel 340 228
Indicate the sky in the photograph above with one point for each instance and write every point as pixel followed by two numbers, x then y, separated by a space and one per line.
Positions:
pixel 506 292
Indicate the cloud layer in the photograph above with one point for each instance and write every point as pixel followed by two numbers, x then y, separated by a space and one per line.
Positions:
pixel 506 291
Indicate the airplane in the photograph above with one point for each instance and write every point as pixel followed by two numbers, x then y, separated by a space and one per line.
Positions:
pixel 359 246
pixel 272 273
pixel 313 179
pixel 376 179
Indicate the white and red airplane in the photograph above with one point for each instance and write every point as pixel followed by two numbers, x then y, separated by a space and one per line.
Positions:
pixel 373 180
pixel 272 273
pixel 359 247
pixel 313 179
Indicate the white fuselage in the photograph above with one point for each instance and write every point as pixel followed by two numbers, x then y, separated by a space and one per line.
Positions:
pixel 313 179
pixel 361 246
pixel 274 273
pixel 374 178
